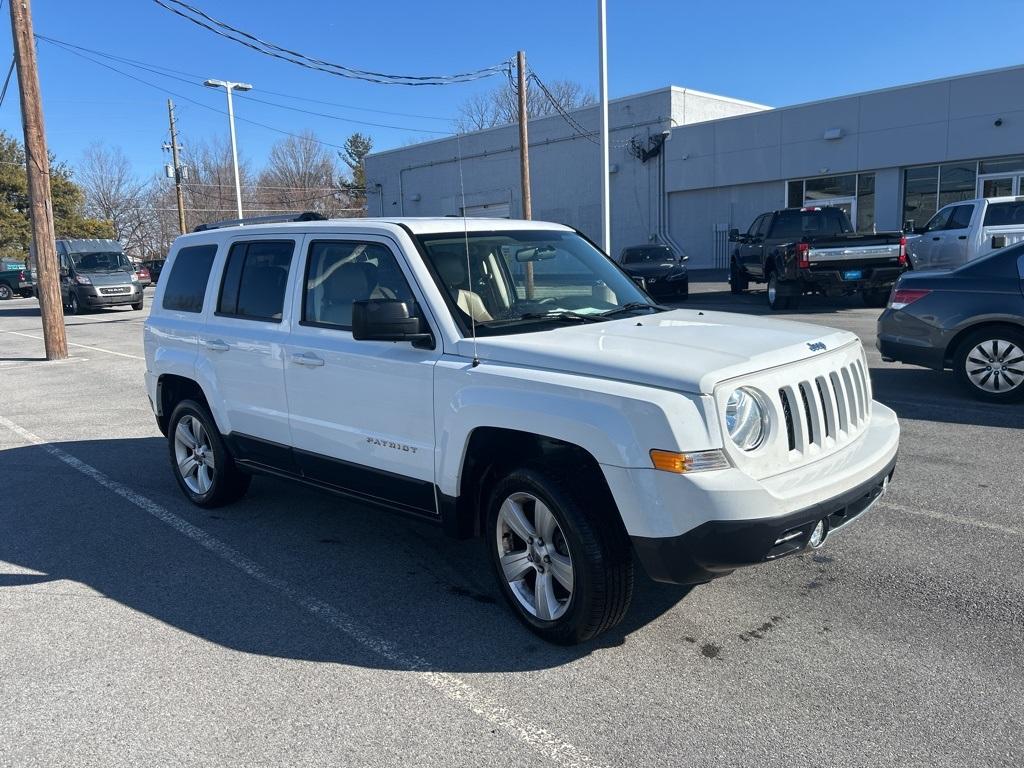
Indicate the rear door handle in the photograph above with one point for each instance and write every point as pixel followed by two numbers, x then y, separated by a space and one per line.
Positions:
pixel 215 344
pixel 936 238
pixel 307 359
pixel 961 237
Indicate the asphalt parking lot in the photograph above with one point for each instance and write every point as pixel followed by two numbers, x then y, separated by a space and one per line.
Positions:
pixel 294 628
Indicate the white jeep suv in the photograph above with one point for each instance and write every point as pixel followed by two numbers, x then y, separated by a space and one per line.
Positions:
pixel 507 380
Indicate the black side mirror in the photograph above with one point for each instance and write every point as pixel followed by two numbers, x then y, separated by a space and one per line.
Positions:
pixel 390 320
pixel 734 235
pixel 684 257
pixel 998 241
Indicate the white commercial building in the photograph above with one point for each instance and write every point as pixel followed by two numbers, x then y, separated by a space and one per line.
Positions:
pixel 686 166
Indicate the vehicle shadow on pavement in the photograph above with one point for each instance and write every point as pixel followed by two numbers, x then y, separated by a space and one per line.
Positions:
pixel 397 581
pixel 926 395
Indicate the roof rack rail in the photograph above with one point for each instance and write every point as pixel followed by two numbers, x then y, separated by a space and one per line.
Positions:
pixel 276 219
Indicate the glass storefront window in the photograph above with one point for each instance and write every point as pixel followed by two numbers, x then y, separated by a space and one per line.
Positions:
pixel 865 202
pixel 826 187
pixel 795 194
pixel 957 181
pixel 1002 165
pixel 920 194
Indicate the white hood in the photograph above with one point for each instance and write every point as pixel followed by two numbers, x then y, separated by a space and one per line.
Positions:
pixel 689 350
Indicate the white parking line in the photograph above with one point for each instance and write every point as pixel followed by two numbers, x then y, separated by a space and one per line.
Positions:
pixel 83 346
pixel 452 687
pixel 945 517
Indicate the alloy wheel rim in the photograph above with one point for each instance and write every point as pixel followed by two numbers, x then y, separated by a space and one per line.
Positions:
pixel 995 366
pixel 534 557
pixel 772 289
pixel 194 455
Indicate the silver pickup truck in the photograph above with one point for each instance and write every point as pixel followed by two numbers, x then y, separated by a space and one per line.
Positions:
pixel 963 231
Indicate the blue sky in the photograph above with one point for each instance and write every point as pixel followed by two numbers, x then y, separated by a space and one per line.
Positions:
pixel 774 53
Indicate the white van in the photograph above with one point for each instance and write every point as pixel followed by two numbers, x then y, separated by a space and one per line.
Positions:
pixel 965 230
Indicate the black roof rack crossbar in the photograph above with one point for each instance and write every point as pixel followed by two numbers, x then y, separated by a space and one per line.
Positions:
pixel 276 219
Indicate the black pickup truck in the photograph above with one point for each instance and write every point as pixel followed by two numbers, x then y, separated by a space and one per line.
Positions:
pixel 815 250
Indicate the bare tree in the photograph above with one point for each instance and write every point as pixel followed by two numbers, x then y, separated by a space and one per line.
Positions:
pixel 501 106
pixel 301 175
pixel 114 193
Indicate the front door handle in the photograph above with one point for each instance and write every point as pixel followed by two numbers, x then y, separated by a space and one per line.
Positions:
pixel 308 359
pixel 961 237
pixel 215 344
pixel 936 238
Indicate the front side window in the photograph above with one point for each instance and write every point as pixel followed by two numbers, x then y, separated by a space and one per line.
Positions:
pixel 339 273
pixel 756 224
pixel 186 285
pixel 255 277
pixel 960 217
pixel 515 281
pixel 939 220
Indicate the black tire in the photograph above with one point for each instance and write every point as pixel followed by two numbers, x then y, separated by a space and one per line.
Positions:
pixel 876 298
pixel 137 305
pixel 228 482
pixel 26 293
pixel 73 307
pixel 776 300
pixel 738 281
pixel 975 354
pixel 6 292
pixel 595 542
pixel 683 293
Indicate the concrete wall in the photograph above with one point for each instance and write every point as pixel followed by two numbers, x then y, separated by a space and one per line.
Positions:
pixel 423 179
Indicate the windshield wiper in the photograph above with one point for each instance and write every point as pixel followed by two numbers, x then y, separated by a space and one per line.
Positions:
pixel 632 306
pixel 560 314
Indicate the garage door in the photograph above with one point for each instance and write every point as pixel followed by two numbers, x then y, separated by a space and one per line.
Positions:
pixel 489 211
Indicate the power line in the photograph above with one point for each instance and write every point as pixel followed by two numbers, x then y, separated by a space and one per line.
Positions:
pixel 187 79
pixel 225 30
pixel 197 77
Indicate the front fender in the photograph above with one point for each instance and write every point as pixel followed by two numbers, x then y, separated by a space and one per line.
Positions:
pixel 616 422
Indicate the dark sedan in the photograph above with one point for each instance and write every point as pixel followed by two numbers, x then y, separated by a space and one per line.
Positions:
pixel 970 320
pixel 663 272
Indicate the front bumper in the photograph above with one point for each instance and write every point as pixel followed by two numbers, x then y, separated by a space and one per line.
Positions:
pixel 694 527
pixel 719 547
pixel 93 297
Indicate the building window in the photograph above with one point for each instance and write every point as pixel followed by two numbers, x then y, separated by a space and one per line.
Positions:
pixel 957 181
pixel 931 187
pixel 852 192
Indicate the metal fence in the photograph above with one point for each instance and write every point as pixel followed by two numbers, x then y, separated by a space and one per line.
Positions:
pixel 721 239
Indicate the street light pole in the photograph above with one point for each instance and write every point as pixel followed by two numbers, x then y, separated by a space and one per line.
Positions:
pixel 228 87
pixel 602 43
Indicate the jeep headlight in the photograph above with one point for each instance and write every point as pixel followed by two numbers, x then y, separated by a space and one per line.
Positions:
pixel 746 419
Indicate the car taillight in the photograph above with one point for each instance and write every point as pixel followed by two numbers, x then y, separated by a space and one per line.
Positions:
pixel 21 276
pixel 902 297
pixel 803 251
pixel 903 252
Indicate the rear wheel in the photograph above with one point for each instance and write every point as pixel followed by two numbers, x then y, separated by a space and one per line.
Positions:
pixel 989 363
pixel 5 292
pixel 560 554
pixel 204 469
pixel 776 299
pixel 877 297
pixel 738 282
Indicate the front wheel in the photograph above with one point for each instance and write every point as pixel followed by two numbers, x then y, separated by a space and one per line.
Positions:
pixel 738 281
pixel 73 306
pixel 204 469
pixel 137 305
pixel 990 364
pixel 560 554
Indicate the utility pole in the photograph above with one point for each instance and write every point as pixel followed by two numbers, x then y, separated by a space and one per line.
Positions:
pixel 177 168
pixel 602 44
pixel 524 158
pixel 37 167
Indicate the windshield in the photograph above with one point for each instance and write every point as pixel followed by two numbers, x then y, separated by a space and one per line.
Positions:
pixel 515 281
pixel 654 253
pixel 104 261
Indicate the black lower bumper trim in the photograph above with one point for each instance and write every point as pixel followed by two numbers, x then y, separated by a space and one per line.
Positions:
pixel 718 547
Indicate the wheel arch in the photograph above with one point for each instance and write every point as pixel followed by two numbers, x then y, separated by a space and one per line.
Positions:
pixel 171 389
pixel 963 333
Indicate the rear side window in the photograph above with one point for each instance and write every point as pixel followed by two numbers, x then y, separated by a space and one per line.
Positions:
pixel 254 280
pixel 186 285
pixel 1004 214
